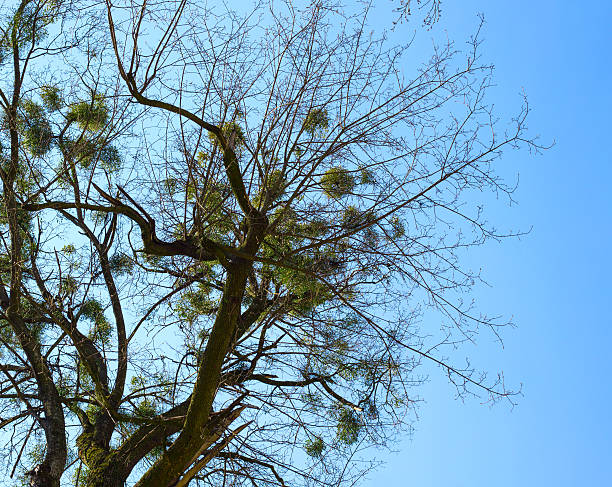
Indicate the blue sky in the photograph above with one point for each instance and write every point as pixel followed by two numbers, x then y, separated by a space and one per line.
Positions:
pixel 555 281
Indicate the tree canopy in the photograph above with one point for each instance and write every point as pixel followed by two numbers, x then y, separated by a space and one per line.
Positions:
pixel 228 238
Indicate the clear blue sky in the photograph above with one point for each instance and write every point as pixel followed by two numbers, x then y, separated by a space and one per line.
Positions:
pixel 555 282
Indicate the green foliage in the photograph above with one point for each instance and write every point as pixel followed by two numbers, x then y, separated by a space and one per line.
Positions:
pixel 30 26
pixel 326 263
pixel 276 185
pixel 109 158
pixel 63 387
pixel 24 220
pixel 98 217
pixel 121 264
pixel 101 331
pixel 36 328
pixel 93 311
pixel 146 409
pixel 170 185
pixel 231 131
pixel 398 229
pixel 92 410
pixel 80 476
pixel 88 152
pixel 35 129
pixel 91 115
pixel 24 182
pixel 68 249
pixel 314 447
pixel 136 382
pixel 218 223
pixel 337 182
pixel 196 302
pixel 191 190
pixel 37 454
pixel 309 292
pixel 293 231
pixel 316 120
pixel 273 189
pixel 5 266
pixel 153 260
pixel 37 139
pixel 366 176
pixel 179 231
pixel 349 426
pixel 313 228
pixel 371 410
pixel 370 237
pixel 51 97
pixel 312 400
pixel 353 217
pixel 202 158
pixel 68 285
pixel 81 150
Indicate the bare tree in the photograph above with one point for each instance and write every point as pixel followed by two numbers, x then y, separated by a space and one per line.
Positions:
pixel 431 8
pixel 221 232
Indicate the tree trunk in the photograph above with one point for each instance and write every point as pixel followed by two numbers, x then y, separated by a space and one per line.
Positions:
pixel 40 476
